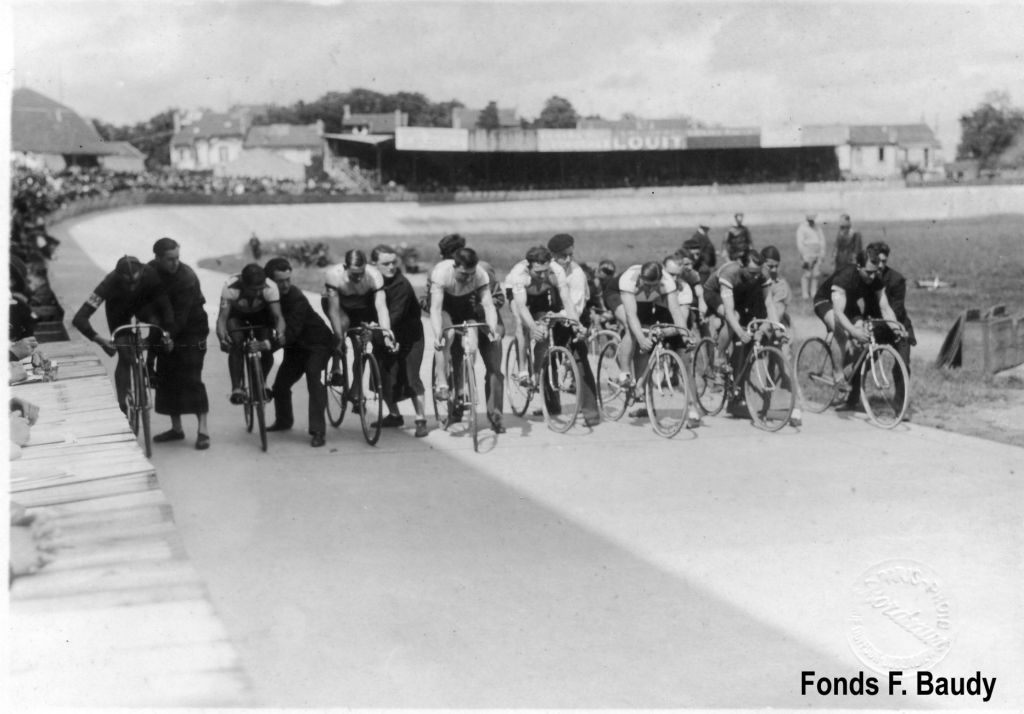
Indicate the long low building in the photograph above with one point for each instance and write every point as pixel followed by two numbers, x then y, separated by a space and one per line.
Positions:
pixel 639 153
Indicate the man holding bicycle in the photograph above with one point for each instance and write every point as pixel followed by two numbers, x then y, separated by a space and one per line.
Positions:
pixel 641 296
pixel 249 299
pixel 307 348
pixel 838 303
pixel 539 286
pixel 132 289
pixel 458 287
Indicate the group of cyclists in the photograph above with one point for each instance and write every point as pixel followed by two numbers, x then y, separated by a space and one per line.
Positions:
pixel 686 290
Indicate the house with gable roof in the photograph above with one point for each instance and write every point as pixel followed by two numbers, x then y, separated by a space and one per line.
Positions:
pixel 204 140
pixel 47 134
pixel 888 151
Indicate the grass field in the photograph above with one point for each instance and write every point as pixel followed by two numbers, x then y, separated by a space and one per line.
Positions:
pixel 983 257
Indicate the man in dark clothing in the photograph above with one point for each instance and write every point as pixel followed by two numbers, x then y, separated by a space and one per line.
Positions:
pixel 179 388
pixel 307 349
pixel 738 235
pixel 401 369
pixel 132 289
pixel 896 292
pixel 848 244
pixel 700 247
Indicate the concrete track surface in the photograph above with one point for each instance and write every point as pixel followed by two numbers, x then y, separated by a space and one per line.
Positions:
pixel 595 570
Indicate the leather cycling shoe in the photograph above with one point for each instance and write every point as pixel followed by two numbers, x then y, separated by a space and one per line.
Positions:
pixel 237 396
pixel 278 426
pixel 317 440
pixel 497 426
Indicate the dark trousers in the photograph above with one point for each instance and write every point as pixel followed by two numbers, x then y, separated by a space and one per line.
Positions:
pixel 587 390
pixel 299 361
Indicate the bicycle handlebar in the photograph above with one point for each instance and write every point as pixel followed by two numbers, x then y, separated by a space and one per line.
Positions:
pixel 135 327
pixel 777 328
pixel 655 330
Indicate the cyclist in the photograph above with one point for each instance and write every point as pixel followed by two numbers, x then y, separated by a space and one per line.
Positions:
pixel 132 289
pixel 353 294
pixel 699 245
pixel 837 304
pixel 642 295
pixel 307 342
pixel 249 299
pixel 896 292
pixel 458 287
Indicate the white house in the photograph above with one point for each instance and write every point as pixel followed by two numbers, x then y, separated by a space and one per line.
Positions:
pixel 204 140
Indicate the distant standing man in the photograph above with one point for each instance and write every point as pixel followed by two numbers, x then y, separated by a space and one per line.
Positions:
pixel 848 244
pixel 810 241
pixel 738 236
pixel 307 349
pixel 179 388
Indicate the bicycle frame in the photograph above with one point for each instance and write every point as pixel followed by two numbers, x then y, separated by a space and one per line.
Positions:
pixel 137 399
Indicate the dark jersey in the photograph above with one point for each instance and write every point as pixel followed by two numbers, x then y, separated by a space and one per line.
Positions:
pixel 849 280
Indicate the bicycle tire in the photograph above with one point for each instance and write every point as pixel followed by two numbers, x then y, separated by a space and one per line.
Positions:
pixel 470 411
pixel 815 370
pixel 142 393
pixel 710 381
pixel 884 386
pixel 371 399
pixel 518 396
pixel 337 397
pixel 612 399
pixel 597 341
pixel 247 405
pixel 563 374
pixel 768 389
pixel 442 408
pixel 666 395
pixel 256 394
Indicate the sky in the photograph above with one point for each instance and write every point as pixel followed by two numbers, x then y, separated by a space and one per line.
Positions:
pixel 730 63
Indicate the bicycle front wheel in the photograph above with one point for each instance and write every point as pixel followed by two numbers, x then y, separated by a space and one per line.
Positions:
pixel 256 395
pixel 519 395
pixel 469 385
pixel 666 396
pixel 561 375
pixel 337 396
pixel 708 377
pixel 768 389
pixel 611 395
pixel 142 381
pixel 815 371
pixel 371 399
pixel 884 386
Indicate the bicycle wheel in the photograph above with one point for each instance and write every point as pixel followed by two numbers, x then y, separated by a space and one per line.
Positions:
pixel 612 397
pixel 884 386
pixel 768 389
pixel 519 395
pixel 256 394
pixel 371 399
pixel 815 371
pixel 561 374
pixel 140 386
pixel 442 408
pixel 337 396
pixel 469 385
pixel 597 341
pixel 665 393
pixel 708 377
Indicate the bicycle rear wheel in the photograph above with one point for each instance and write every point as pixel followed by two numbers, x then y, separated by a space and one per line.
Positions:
pixel 768 389
pixel 371 399
pixel 815 370
pixel 469 385
pixel 256 395
pixel 561 374
pixel 884 386
pixel 708 377
pixel 611 396
pixel 519 395
pixel 665 392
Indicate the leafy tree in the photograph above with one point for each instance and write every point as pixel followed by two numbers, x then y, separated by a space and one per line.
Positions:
pixel 152 137
pixel 558 113
pixel 489 118
pixel 990 129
